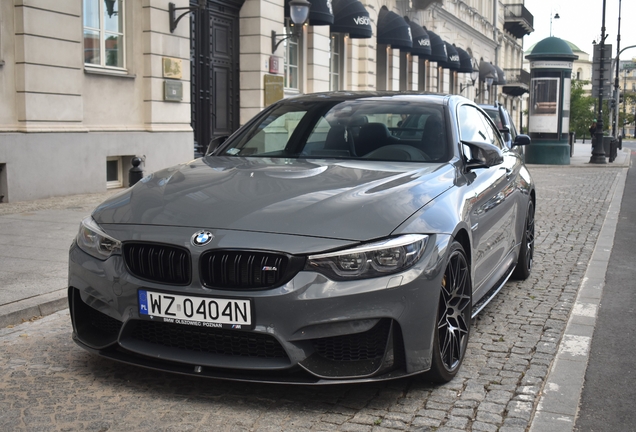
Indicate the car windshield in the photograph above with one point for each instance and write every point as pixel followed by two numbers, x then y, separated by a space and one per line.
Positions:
pixel 372 129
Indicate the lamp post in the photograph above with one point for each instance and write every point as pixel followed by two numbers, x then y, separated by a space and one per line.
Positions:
pixel 624 99
pixel 172 13
pixel 616 63
pixel 616 89
pixel 473 77
pixel 299 13
pixel 556 16
pixel 598 153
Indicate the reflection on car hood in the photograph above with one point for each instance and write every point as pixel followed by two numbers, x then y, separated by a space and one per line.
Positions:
pixel 355 200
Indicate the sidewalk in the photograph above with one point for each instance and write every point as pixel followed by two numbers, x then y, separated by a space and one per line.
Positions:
pixel 35 238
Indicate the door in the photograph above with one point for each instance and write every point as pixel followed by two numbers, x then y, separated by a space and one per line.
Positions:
pixel 215 71
pixel 494 212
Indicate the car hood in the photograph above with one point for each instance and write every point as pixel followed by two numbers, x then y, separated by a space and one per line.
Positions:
pixel 354 200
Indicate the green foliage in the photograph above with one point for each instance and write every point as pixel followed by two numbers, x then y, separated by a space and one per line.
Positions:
pixel 581 109
pixel 628 117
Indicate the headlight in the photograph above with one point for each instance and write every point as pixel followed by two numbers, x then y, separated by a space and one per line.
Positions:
pixel 92 240
pixel 371 260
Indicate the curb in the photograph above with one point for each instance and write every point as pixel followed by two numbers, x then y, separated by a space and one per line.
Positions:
pixel 34 307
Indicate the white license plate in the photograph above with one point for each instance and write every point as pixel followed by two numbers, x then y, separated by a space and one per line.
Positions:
pixel 196 311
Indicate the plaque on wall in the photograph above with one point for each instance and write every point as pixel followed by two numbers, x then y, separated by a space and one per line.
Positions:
pixel 273 89
pixel 172 91
pixel 172 68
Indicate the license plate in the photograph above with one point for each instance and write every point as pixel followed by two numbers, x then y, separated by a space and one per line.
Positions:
pixel 195 311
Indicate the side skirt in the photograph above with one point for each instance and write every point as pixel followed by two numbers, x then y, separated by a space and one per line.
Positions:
pixel 477 307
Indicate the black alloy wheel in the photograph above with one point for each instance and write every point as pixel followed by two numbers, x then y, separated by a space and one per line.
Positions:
pixel 453 317
pixel 526 253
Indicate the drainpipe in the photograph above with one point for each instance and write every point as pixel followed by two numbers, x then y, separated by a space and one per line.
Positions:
pixel 495 31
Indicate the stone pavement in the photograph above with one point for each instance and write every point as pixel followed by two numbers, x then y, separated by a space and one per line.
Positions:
pixel 524 368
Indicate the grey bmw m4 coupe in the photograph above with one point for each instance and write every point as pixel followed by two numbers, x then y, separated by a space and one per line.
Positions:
pixel 335 237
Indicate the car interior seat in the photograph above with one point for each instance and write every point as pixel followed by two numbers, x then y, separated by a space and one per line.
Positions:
pixel 373 136
pixel 433 141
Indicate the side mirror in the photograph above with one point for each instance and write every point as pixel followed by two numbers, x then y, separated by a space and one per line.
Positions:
pixel 521 140
pixel 484 155
pixel 215 143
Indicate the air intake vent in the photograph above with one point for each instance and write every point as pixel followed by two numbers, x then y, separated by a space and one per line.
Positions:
pixel 247 269
pixel 207 340
pixel 158 263
pixel 369 345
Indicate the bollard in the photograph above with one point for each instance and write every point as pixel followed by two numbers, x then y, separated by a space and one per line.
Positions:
pixel 135 173
pixel 613 152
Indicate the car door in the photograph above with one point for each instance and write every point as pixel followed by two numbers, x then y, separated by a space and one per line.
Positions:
pixel 492 214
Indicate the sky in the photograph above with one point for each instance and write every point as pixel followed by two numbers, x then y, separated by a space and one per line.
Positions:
pixel 580 23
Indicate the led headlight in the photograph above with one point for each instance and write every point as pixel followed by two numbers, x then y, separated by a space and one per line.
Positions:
pixel 92 240
pixel 371 260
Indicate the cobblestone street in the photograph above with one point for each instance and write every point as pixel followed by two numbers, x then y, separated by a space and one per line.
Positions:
pixel 47 383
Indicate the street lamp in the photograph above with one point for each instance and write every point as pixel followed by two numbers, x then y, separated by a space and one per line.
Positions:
pixel 598 153
pixel 298 12
pixel 172 12
pixel 556 16
pixel 473 77
pixel 488 81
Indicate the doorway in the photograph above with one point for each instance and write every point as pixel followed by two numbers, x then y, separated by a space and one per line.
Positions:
pixel 215 71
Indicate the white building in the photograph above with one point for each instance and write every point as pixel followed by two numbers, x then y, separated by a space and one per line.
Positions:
pixel 87 85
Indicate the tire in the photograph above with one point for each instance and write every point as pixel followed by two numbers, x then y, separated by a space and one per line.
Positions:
pixel 526 254
pixel 454 312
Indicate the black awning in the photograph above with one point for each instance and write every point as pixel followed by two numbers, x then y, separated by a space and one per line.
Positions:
pixel 393 30
pixel 421 40
pixel 487 70
pixel 452 58
pixel 515 89
pixel 438 48
pixel 465 61
pixel 351 17
pixel 501 76
pixel 320 12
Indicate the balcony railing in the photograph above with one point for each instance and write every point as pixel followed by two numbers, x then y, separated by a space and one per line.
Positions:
pixel 518 20
pixel 517 82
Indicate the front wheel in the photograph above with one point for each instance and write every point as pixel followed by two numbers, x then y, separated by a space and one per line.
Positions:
pixel 453 317
pixel 524 264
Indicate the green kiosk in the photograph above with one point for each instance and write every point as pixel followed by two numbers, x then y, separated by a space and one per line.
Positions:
pixel 549 104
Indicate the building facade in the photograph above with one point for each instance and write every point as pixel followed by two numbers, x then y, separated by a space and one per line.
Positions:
pixel 86 85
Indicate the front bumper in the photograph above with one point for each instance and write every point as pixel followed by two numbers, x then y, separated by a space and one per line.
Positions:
pixel 310 330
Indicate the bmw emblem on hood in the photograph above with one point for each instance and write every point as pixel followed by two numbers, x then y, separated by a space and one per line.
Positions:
pixel 201 238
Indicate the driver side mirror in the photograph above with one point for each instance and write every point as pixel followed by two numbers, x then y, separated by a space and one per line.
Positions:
pixel 215 143
pixel 483 155
pixel 521 140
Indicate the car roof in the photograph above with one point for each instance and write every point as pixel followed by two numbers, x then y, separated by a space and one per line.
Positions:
pixel 431 98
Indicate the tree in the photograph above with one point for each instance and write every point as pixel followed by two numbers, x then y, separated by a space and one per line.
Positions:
pixel 581 109
pixel 628 117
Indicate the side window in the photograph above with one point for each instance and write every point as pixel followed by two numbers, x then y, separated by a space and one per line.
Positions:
pixel 494 137
pixel 475 126
pixel 471 125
